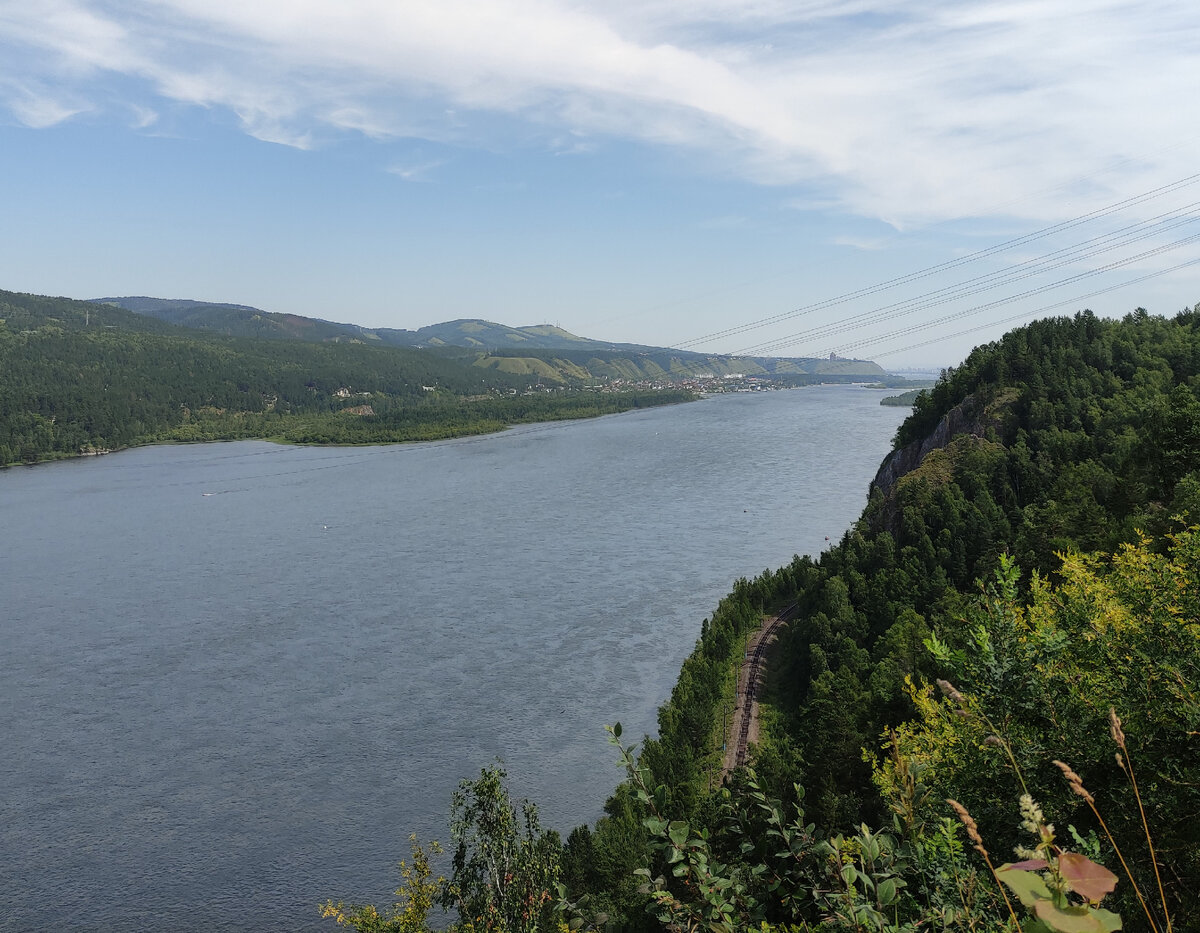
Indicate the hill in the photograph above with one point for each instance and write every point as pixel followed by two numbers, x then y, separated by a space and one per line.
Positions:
pixel 236 320
pixel 1030 545
pixel 543 351
pixel 79 377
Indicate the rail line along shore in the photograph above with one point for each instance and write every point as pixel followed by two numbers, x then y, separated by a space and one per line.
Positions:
pixel 743 727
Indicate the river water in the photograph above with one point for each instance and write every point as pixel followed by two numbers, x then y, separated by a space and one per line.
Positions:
pixel 237 676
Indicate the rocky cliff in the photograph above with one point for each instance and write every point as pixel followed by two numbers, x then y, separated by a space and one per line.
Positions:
pixel 970 417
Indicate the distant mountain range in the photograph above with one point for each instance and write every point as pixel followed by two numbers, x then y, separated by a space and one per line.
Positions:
pixel 542 350
pixel 245 321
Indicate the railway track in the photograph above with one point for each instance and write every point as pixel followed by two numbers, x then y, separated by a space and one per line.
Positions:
pixel 754 674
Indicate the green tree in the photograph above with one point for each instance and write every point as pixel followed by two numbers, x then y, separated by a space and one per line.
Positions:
pixel 505 867
pixel 415 897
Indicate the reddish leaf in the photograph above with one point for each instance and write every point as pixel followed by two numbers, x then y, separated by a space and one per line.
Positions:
pixel 1086 878
pixel 1032 864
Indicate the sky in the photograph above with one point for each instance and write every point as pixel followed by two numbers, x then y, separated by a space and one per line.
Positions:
pixel 897 181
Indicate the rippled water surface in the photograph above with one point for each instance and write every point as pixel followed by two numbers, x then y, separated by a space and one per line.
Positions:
pixel 237 676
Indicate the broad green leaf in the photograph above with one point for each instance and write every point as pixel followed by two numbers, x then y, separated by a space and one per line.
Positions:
pixel 678 831
pixel 1068 919
pixel 887 891
pixel 1030 888
pixel 1085 877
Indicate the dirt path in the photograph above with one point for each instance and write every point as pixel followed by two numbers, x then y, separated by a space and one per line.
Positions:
pixel 742 731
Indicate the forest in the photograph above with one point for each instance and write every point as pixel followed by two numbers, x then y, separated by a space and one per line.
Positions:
pixel 983 716
pixel 78 378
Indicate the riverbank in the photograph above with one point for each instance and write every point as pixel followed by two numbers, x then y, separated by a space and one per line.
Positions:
pixel 445 420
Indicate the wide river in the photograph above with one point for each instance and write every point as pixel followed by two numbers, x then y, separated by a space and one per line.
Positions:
pixel 237 676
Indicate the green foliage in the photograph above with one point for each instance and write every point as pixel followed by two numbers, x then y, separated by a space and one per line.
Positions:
pixel 1065 896
pixel 415 897
pixel 77 377
pixel 754 868
pixel 506 869
pixel 903 400
pixel 759 869
pixel 1038 677
pixel 1071 434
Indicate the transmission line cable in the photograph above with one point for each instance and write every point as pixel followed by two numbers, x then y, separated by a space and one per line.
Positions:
pixel 1027 294
pixel 949 264
pixel 1057 259
pixel 1025 315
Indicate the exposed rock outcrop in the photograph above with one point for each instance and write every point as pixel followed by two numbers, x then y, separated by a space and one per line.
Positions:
pixel 961 419
pixel 971 417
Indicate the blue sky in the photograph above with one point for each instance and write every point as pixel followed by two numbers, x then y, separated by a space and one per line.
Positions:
pixel 669 172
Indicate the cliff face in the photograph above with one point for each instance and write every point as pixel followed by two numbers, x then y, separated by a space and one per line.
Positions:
pixel 970 421
pixel 963 418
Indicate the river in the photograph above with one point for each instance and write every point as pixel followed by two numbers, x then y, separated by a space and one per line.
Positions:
pixel 237 676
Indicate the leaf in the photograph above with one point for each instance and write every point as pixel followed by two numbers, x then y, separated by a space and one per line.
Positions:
pixel 1068 919
pixel 1111 921
pixel 1032 864
pixel 1030 888
pixel 616 730
pixel 887 892
pixel 678 831
pixel 1086 878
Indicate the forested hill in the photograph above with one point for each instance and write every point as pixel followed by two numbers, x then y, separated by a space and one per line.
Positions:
pixel 1067 436
pixel 543 351
pixel 77 377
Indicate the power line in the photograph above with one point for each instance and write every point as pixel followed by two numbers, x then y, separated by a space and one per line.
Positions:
pixel 1032 292
pixel 950 264
pixel 1024 315
pixel 1066 256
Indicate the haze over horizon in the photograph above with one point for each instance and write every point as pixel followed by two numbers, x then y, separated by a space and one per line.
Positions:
pixel 696 173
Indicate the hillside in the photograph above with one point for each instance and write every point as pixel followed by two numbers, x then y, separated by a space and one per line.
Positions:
pixel 234 320
pixel 1067 436
pixel 79 377
pixel 543 351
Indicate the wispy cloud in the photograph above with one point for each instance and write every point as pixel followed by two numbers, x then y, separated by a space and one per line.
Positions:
pixel 926 110
pixel 35 106
pixel 418 171
pixel 143 117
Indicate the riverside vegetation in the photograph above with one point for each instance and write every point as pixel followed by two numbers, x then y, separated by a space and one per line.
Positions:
pixel 1032 546
pixel 78 377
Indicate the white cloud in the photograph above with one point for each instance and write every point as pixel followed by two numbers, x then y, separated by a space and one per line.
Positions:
pixel 143 117
pixel 35 106
pixel 912 112
pixel 417 171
